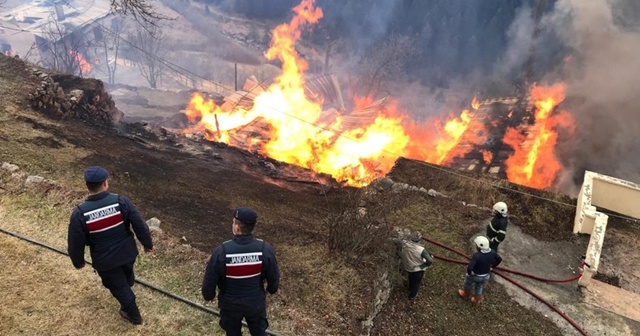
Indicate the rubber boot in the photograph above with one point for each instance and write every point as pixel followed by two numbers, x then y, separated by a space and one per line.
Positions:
pixel 131 314
pixel 477 299
pixel 463 293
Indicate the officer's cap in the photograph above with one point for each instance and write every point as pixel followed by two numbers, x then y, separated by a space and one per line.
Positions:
pixel 246 215
pixel 95 174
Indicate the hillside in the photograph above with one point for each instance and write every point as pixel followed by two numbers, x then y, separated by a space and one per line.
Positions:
pixel 192 185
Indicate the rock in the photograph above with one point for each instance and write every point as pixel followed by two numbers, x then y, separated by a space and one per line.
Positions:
pixel 270 167
pixel 383 183
pixel 362 211
pixel 217 156
pixel 154 225
pixel 413 188
pixel 423 190
pixel 153 222
pixel 433 193
pixel 398 187
pixel 472 205
pixel 9 167
pixel 44 75
pixel 77 94
pixel 35 180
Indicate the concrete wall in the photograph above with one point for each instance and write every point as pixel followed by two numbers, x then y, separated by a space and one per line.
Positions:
pixel 608 192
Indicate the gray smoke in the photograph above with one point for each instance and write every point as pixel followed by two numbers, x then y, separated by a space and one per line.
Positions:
pixel 603 83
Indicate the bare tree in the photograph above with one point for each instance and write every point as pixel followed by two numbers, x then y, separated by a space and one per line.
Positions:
pixel 385 61
pixel 148 49
pixel 142 11
pixel 109 44
pixel 64 49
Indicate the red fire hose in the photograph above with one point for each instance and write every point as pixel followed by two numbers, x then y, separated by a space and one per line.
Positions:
pixel 498 270
pixel 532 276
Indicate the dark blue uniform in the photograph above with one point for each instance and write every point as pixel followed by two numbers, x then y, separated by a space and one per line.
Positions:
pixel 239 268
pixel 104 222
pixel 497 231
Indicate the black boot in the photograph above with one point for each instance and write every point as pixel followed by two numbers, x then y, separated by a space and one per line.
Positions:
pixel 131 314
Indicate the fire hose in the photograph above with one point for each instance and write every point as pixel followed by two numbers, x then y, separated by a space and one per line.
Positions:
pixel 499 271
pixel 137 280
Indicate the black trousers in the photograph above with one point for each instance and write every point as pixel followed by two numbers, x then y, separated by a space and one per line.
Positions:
pixel 119 281
pixel 231 321
pixel 415 278
pixel 494 245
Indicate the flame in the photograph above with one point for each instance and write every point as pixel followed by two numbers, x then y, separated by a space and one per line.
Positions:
pixel 487 156
pixel 450 133
pixel 534 162
pixel 296 134
pixel 475 104
pixel 84 66
pixel 294 129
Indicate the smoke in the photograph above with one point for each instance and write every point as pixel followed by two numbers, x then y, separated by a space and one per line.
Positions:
pixel 520 41
pixel 604 46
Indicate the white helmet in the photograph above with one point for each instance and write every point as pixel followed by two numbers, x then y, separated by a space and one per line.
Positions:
pixel 501 208
pixel 482 243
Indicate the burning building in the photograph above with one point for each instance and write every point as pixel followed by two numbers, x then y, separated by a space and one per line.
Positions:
pixel 306 122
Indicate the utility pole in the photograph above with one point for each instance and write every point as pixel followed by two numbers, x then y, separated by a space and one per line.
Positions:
pixel 235 75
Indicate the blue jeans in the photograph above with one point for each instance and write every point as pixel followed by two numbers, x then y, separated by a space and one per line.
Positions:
pixel 469 280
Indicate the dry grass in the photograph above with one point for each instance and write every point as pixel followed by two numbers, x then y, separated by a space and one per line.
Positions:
pixel 39 275
pixel 44 294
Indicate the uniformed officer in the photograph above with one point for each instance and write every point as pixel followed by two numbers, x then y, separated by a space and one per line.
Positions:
pixel 239 268
pixel 104 222
pixel 497 228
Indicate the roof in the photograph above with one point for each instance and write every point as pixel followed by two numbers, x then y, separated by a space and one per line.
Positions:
pixel 35 17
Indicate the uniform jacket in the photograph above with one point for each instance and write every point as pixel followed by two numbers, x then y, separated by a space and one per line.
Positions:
pixel 239 268
pixel 104 222
pixel 497 228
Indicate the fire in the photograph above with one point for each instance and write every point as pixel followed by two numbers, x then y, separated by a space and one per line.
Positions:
pixel 487 156
pixel 295 133
pixel 475 104
pixel 534 162
pixel 84 66
pixel 454 128
pixel 293 128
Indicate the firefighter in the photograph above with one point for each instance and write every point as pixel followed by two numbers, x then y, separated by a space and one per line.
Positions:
pixel 104 222
pixel 497 228
pixel 478 270
pixel 239 268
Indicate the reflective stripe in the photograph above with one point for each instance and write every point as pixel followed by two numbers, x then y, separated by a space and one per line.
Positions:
pixel 496 231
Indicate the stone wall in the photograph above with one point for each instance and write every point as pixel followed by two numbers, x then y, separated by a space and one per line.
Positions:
pixel 66 96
